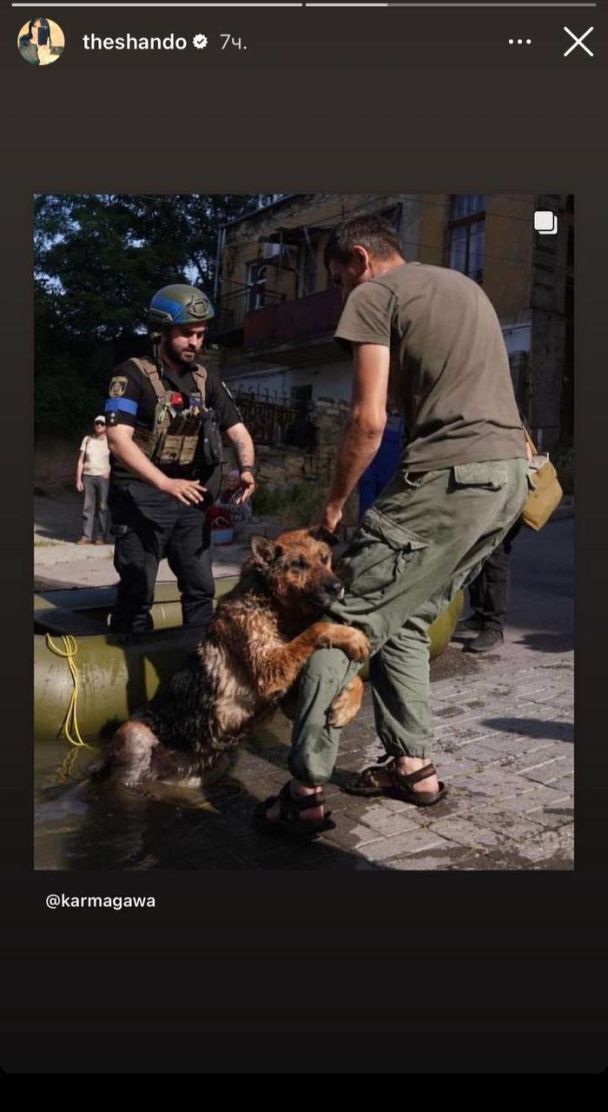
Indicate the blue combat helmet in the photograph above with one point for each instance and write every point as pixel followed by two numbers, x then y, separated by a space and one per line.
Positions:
pixel 178 305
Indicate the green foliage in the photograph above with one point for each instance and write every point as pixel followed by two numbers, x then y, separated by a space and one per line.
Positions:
pixel 97 261
pixel 297 504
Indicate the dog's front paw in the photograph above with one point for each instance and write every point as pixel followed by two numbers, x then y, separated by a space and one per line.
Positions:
pixel 351 641
pixel 357 646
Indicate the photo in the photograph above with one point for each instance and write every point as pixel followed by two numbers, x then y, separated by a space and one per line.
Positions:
pixel 41 41
pixel 303 530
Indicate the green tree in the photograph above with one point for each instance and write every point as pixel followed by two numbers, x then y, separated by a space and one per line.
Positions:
pixel 97 260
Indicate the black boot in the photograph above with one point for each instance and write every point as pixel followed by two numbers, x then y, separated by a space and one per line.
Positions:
pixel 469 626
pixel 487 640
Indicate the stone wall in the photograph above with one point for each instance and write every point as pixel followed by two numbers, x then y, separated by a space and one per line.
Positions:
pixel 330 418
pixel 280 465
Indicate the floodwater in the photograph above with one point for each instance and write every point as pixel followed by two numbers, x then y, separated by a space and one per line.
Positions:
pixel 79 825
pixel 83 826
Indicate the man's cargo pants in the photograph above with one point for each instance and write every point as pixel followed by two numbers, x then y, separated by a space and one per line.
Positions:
pixel 426 536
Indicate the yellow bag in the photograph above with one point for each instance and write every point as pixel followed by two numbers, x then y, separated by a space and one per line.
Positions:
pixel 546 493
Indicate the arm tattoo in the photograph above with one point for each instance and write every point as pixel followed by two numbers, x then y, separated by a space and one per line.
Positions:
pixel 243 453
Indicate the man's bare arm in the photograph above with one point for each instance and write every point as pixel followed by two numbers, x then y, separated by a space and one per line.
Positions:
pixel 79 472
pixel 363 433
pixel 242 444
pixel 245 453
pixel 122 445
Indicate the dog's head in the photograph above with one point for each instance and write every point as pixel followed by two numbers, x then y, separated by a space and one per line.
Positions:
pixel 296 568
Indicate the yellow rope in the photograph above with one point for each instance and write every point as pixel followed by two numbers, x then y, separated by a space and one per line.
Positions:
pixel 67 764
pixel 70 722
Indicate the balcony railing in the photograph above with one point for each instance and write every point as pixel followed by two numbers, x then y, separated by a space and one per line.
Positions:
pixel 232 309
pixel 305 318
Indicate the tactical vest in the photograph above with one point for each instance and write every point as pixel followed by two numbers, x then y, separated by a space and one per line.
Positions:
pixel 181 438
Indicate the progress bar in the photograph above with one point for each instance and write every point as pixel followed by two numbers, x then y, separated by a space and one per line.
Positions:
pixel 327 4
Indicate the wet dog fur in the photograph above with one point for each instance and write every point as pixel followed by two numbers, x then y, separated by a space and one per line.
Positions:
pixel 261 635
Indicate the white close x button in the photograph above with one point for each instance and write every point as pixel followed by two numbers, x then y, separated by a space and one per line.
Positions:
pixel 578 41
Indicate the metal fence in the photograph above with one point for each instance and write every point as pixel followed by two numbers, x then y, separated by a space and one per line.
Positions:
pixel 268 415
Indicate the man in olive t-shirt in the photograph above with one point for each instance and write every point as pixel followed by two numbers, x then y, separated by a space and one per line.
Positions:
pixel 451 376
pixel 430 337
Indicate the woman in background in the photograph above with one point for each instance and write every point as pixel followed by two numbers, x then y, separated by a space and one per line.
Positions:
pixel 93 477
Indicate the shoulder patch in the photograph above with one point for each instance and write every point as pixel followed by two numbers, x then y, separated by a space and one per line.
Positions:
pixel 118 387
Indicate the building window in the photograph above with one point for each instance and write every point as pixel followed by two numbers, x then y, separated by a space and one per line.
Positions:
pixel 301 393
pixel 256 285
pixel 466 234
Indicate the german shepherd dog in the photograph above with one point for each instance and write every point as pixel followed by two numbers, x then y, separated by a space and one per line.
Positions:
pixel 261 635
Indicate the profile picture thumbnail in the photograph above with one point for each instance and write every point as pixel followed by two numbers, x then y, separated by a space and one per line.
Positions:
pixel 41 41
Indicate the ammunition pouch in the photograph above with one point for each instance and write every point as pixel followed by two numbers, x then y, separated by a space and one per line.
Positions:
pixel 211 451
pixel 173 440
pixel 191 438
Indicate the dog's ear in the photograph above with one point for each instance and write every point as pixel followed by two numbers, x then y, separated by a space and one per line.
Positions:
pixel 318 533
pixel 264 551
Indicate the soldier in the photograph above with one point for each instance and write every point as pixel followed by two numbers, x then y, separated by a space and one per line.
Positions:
pixel 165 416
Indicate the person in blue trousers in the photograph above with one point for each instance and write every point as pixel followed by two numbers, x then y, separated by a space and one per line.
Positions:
pixel 384 464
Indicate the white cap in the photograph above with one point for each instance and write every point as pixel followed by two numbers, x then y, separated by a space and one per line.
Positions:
pixel 100 417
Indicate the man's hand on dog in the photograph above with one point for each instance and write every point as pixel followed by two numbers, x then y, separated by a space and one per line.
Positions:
pixel 332 516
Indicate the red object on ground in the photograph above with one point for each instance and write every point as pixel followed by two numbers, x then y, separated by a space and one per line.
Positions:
pixel 219 518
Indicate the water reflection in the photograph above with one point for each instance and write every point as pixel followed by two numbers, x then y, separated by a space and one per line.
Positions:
pixel 85 826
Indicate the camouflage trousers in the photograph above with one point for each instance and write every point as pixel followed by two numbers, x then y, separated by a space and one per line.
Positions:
pixel 426 536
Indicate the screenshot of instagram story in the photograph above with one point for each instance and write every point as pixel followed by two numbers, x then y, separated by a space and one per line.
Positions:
pixel 305 331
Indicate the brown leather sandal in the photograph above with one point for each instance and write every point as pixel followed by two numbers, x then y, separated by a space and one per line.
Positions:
pixel 290 822
pixel 369 783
